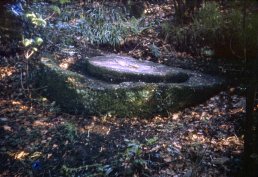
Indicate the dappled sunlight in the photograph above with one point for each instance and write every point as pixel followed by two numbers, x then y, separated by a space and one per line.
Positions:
pixel 97 129
pixel 66 63
pixel 40 123
pixel 160 9
pixel 6 72
pixel 20 105
pixel 176 140
pixel 231 141
pixel 16 105
pixel 71 80
pixel 20 155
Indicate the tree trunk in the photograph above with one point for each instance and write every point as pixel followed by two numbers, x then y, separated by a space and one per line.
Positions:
pixel 250 145
pixel 251 123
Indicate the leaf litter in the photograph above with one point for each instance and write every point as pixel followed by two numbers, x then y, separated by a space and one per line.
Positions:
pixel 38 139
pixel 204 140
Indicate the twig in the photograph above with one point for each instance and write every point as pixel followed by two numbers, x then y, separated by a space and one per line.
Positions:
pixel 27 89
pixel 22 82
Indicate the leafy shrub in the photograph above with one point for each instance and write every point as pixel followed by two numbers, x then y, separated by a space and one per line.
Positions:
pixel 185 8
pixel 109 26
pixel 213 31
pixel 209 17
pixel 155 51
pixel 69 131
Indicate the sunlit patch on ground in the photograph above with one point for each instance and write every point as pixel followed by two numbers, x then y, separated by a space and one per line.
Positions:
pixel 200 140
pixel 6 72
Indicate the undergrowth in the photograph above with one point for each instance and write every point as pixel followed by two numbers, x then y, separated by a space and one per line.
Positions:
pixel 105 25
pixel 131 162
pixel 215 31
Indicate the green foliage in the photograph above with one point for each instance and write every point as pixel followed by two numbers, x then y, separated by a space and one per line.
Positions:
pixel 109 26
pixel 133 158
pixel 38 41
pixel 69 131
pixel 154 50
pixel 151 141
pixel 208 18
pixel 134 149
pixel 37 20
pixel 64 1
pixel 60 1
pixel 32 42
pixel 27 42
pixel 102 170
pixel 214 31
pixel 132 161
pixel 55 9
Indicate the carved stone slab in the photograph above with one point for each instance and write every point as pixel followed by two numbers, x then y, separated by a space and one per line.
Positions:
pixel 136 91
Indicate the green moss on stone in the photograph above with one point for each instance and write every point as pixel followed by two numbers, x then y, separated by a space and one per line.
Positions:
pixel 77 93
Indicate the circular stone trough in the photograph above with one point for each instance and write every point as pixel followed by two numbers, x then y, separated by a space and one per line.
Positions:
pixel 124 86
pixel 116 69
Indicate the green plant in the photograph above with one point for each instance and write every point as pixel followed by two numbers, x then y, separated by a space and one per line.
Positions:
pixel 60 1
pixel 55 9
pixel 209 17
pixel 33 42
pixel 132 161
pixel 155 51
pixel 69 131
pixel 216 32
pixel 133 157
pixel 133 150
pixel 151 141
pixel 37 20
pixel 185 8
pixel 101 170
pixel 109 26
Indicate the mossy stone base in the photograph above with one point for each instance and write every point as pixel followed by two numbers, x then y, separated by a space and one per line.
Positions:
pixel 81 94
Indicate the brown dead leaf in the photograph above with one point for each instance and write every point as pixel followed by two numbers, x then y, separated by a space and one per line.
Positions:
pixel 7 128
pixel 168 159
pixel 20 155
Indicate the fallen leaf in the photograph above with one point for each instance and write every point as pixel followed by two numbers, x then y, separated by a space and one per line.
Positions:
pixel 7 128
pixel 20 155
pixel 168 159
pixel 3 119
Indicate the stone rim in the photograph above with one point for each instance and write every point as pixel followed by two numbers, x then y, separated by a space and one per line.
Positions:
pixel 117 69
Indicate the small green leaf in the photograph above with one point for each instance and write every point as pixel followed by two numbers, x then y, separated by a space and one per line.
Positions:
pixel 39 22
pixel 31 15
pixel 38 41
pixel 56 9
pixel 27 42
pixel 34 49
pixel 63 1
pixel 151 141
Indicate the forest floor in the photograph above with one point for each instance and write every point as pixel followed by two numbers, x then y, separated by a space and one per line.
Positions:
pixel 40 139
